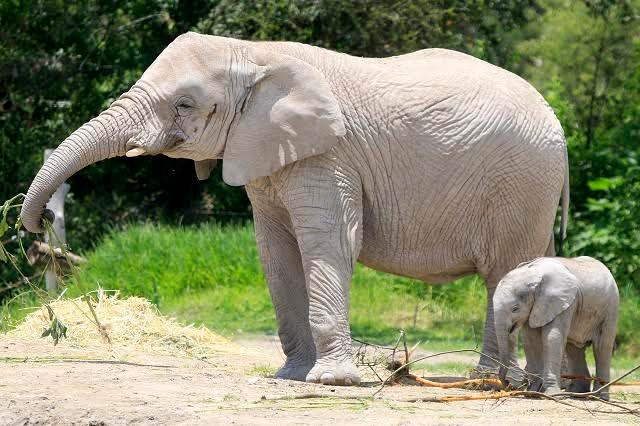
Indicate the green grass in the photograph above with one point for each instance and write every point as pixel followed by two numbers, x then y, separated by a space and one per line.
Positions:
pixel 211 275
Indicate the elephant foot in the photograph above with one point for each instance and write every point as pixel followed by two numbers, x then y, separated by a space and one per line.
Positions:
pixel 551 389
pixel 294 371
pixel 579 386
pixel 334 372
pixel 604 394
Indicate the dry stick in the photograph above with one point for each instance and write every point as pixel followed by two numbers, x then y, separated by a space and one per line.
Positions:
pixel 504 394
pixel 596 392
pixel 312 396
pixel 427 357
pixel 554 397
pixel 461 384
pixel 372 344
pixel 374 372
pixel 101 328
pixel 598 379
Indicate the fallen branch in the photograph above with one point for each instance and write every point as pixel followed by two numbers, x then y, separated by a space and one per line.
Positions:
pixel 464 384
pixel 39 253
pixel 526 394
pixel 598 379
pixel 405 366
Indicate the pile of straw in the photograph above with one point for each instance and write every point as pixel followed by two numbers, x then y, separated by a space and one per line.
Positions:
pixel 131 323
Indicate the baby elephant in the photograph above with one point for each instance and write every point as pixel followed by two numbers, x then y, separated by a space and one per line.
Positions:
pixel 562 305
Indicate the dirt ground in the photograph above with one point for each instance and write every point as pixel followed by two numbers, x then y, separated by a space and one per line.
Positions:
pixel 41 384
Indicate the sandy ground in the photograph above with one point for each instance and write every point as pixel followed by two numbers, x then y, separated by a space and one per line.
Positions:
pixel 41 384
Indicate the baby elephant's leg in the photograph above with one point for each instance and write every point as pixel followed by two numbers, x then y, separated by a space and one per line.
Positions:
pixel 554 340
pixel 577 367
pixel 603 352
pixel 533 353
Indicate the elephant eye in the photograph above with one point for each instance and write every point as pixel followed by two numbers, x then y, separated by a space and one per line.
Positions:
pixel 515 309
pixel 183 105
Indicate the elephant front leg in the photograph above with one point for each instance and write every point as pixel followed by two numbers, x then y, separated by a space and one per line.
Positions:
pixel 285 276
pixel 554 340
pixel 327 217
pixel 328 319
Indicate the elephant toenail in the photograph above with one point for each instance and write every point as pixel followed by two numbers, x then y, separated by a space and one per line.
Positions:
pixel 311 378
pixel 347 381
pixel 327 379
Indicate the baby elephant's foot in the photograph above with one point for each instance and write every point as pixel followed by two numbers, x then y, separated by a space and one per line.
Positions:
pixel 551 389
pixel 334 372
pixel 603 394
pixel 579 386
pixel 294 371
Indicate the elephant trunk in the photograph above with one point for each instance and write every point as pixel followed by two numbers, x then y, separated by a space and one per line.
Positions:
pixel 506 346
pixel 102 137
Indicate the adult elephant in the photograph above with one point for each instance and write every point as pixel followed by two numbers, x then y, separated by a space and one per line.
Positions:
pixel 432 165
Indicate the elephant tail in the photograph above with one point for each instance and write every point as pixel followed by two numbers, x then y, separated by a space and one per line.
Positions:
pixel 564 204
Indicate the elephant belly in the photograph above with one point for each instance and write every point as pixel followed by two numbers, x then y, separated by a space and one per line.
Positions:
pixel 433 257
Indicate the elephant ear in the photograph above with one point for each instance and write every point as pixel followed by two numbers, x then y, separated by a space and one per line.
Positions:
pixel 289 113
pixel 203 168
pixel 556 292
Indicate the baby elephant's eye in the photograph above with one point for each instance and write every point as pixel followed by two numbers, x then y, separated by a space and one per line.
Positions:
pixel 515 309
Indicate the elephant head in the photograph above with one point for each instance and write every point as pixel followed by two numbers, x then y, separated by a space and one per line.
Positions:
pixel 205 98
pixel 534 292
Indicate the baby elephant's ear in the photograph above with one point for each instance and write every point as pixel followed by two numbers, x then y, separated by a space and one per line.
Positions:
pixel 555 293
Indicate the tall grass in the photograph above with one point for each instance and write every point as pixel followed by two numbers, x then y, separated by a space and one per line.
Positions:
pixel 211 275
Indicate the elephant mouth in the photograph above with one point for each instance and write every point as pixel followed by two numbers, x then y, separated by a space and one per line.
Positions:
pixel 513 327
pixel 138 146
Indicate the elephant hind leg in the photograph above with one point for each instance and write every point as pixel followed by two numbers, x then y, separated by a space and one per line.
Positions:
pixel 577 366
pixel 492 275
pixel 603 345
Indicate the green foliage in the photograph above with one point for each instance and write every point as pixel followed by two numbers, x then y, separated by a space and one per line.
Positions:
pixel 56 329
pixel 586 60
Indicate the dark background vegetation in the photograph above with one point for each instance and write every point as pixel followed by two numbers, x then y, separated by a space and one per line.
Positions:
pixel 62 62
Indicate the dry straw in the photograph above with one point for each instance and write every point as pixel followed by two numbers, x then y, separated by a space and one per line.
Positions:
pixel 132 323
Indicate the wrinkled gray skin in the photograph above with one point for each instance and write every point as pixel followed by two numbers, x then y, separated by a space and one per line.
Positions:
pixel 432 165
pixel 562 305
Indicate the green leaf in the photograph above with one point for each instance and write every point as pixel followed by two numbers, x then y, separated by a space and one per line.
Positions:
pixel 605 184
pixel 3 227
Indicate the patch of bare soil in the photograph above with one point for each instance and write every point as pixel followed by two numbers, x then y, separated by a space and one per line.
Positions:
pixel 100 384
pixel 42 384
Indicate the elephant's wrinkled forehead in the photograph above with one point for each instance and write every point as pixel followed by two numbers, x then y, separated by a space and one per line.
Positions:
pixel 522 273
pixel 186 66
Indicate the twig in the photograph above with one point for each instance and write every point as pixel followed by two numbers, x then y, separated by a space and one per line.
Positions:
pixel 530 394
pixel 427 357
pixel 372 344
pixel 101 328
pixel 312 396
pixel 596 392
pixel 457 385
